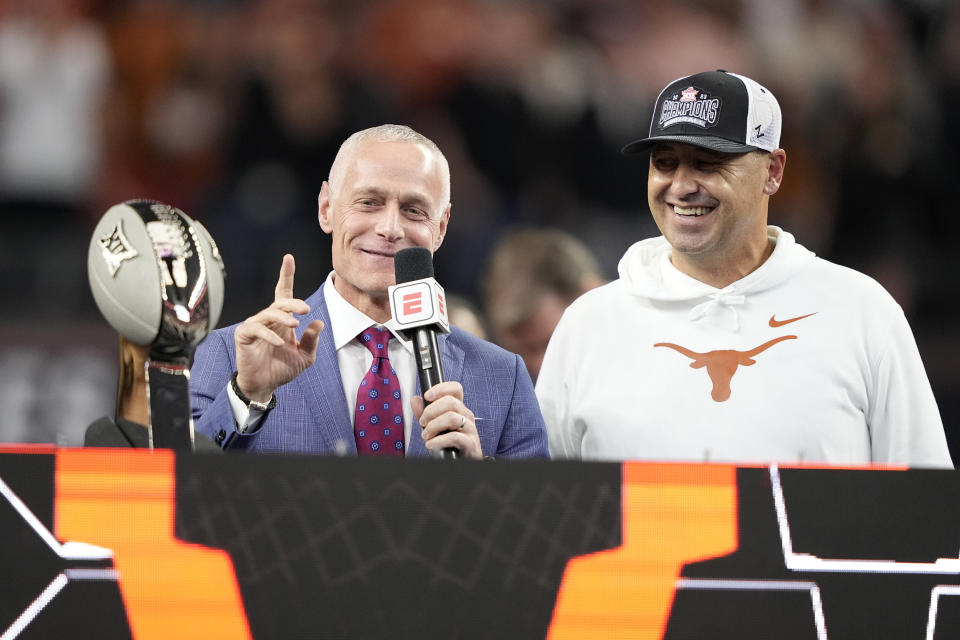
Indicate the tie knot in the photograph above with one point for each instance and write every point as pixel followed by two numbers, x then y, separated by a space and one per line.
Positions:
pixel 376 341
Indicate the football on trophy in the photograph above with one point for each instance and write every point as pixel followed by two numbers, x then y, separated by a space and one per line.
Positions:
pixel 144 256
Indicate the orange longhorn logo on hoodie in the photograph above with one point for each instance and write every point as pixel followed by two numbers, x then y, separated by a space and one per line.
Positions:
pixel 721 364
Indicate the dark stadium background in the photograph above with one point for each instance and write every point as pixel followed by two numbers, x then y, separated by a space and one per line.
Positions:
pixel 233 110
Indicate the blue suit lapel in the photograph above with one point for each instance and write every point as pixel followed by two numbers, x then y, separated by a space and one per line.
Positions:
pixel 452 358
pixel 322 387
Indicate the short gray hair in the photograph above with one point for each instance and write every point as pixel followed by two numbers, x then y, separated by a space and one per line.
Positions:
pixel 389 133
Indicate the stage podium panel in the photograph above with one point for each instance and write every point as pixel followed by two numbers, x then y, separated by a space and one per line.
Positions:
pixel 134 544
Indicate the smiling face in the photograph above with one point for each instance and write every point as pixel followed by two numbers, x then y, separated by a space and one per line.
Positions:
pixel 390 196
pixel 712 208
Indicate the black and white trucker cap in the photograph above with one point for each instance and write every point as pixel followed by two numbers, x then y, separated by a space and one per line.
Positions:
pixel 717 110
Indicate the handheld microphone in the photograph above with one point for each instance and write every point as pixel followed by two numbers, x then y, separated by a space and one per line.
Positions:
pixel 419 309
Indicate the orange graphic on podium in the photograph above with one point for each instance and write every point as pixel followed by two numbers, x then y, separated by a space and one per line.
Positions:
pixel 124 501
pixel 673 514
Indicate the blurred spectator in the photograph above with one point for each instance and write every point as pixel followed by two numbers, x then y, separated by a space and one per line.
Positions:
pixel 54 74
pixel 532 276
pixel 166 115
pixel 465 315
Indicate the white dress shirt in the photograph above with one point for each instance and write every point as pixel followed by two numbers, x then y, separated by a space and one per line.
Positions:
pixel 347 323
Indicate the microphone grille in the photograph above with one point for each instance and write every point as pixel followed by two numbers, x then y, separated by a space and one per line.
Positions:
pixel 413 263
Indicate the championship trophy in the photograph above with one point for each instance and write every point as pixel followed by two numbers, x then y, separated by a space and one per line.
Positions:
pixel 157 277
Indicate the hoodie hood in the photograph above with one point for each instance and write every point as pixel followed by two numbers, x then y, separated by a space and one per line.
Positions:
pixel 646 271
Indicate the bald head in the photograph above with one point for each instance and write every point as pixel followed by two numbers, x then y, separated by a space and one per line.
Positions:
pixel 387 133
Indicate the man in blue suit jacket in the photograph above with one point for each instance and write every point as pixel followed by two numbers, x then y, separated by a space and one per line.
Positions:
pixel 279 382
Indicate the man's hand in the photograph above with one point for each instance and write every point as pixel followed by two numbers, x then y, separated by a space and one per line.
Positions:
pixel 446 421
pixel 268 354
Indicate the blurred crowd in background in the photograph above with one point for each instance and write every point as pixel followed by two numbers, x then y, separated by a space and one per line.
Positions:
pixel 234 110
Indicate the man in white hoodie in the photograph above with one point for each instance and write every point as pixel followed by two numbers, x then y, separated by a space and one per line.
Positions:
pixel 724 339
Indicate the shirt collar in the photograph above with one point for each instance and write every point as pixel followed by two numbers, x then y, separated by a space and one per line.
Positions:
pixel 347 322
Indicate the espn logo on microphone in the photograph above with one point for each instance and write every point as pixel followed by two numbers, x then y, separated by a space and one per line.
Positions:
pixel 419 303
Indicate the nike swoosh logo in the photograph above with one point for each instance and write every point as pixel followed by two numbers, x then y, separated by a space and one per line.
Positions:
pixel 779 323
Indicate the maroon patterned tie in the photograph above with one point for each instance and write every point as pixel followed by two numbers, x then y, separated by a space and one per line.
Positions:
pixel 378 421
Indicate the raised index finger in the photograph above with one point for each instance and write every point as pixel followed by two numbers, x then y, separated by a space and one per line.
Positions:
pixel 285 282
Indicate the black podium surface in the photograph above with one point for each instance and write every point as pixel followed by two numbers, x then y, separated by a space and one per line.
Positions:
pixel 134 544
pixel 359 548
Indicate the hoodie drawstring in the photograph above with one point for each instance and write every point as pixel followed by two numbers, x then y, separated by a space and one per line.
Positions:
pixel 717 302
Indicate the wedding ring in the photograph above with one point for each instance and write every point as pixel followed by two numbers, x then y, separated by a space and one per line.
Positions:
pixel 463 421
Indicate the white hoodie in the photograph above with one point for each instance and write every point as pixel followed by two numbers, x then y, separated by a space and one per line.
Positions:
pixel 800 361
